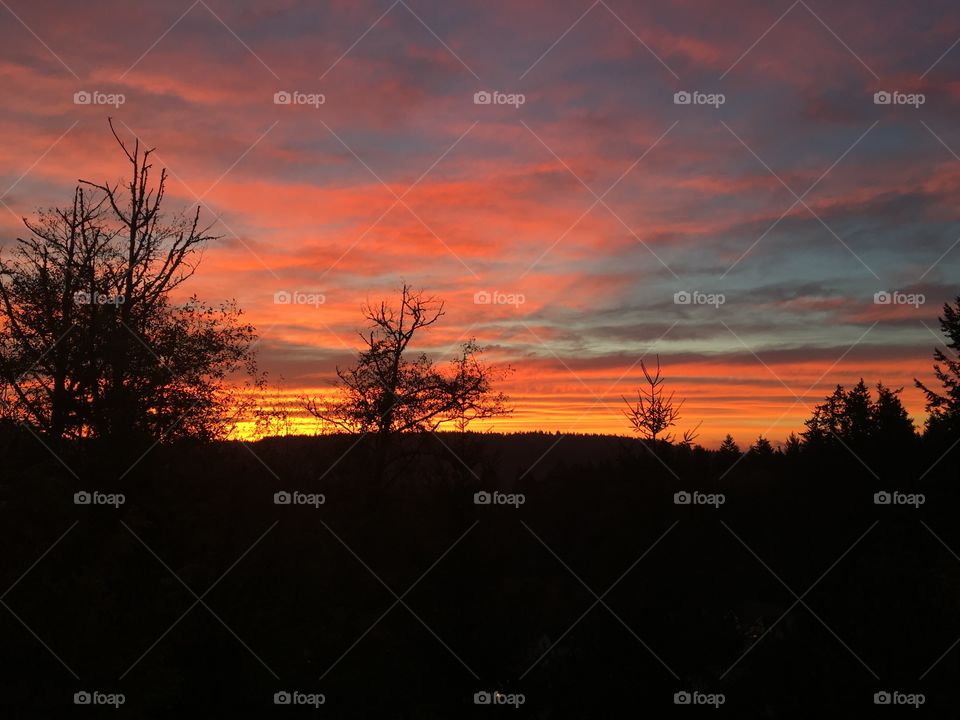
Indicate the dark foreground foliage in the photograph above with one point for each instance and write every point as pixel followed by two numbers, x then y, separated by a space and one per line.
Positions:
pixel 177 578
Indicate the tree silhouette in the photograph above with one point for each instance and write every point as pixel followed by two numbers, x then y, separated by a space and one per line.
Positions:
pixel 855 420
pixel 391 390
pixel 43 372
pixel 825 426
pixel 655 412
pixel 91 344
pixel 729 447
pixel 762 448
pixel 944 406
pixel 793 446
pixel 892 426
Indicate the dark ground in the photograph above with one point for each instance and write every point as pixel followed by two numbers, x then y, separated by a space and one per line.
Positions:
pixel 491 598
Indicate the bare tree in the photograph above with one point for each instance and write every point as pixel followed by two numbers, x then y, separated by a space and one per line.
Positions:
pixel 91 343
pixel 154 256
pixel 471 388
pixel 271 414
pixel 46 337
pixel 391 390
pixel 655 411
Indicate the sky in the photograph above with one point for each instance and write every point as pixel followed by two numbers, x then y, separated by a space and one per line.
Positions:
pixel 566 221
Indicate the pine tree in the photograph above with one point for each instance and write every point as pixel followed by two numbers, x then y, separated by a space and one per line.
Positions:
pixel 944 408
pixel 762 448
pixel 857 416
pixel 892 426
pixel 855 421
pixel 729 446
pixel 826 424
pixel 793 445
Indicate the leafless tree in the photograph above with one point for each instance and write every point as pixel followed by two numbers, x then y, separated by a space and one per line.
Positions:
pixel 272 415
pixel 46 337
pixel 91 343
pixel 391 390
pixel 471 388
pixel 154 255
pixel 655 411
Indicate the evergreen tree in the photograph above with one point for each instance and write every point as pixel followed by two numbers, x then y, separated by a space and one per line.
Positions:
pixel 892 426
pixel 793 446
pixel 762 448
pixel 853 420
pixel 944 407
pixel 729 446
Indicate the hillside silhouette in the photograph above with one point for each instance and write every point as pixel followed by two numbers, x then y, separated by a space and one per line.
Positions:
pixel 499 600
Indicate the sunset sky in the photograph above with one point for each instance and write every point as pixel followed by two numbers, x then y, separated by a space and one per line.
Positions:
pixel 594 201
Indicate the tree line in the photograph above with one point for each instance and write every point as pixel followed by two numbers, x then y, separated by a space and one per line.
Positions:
pixel 850 419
